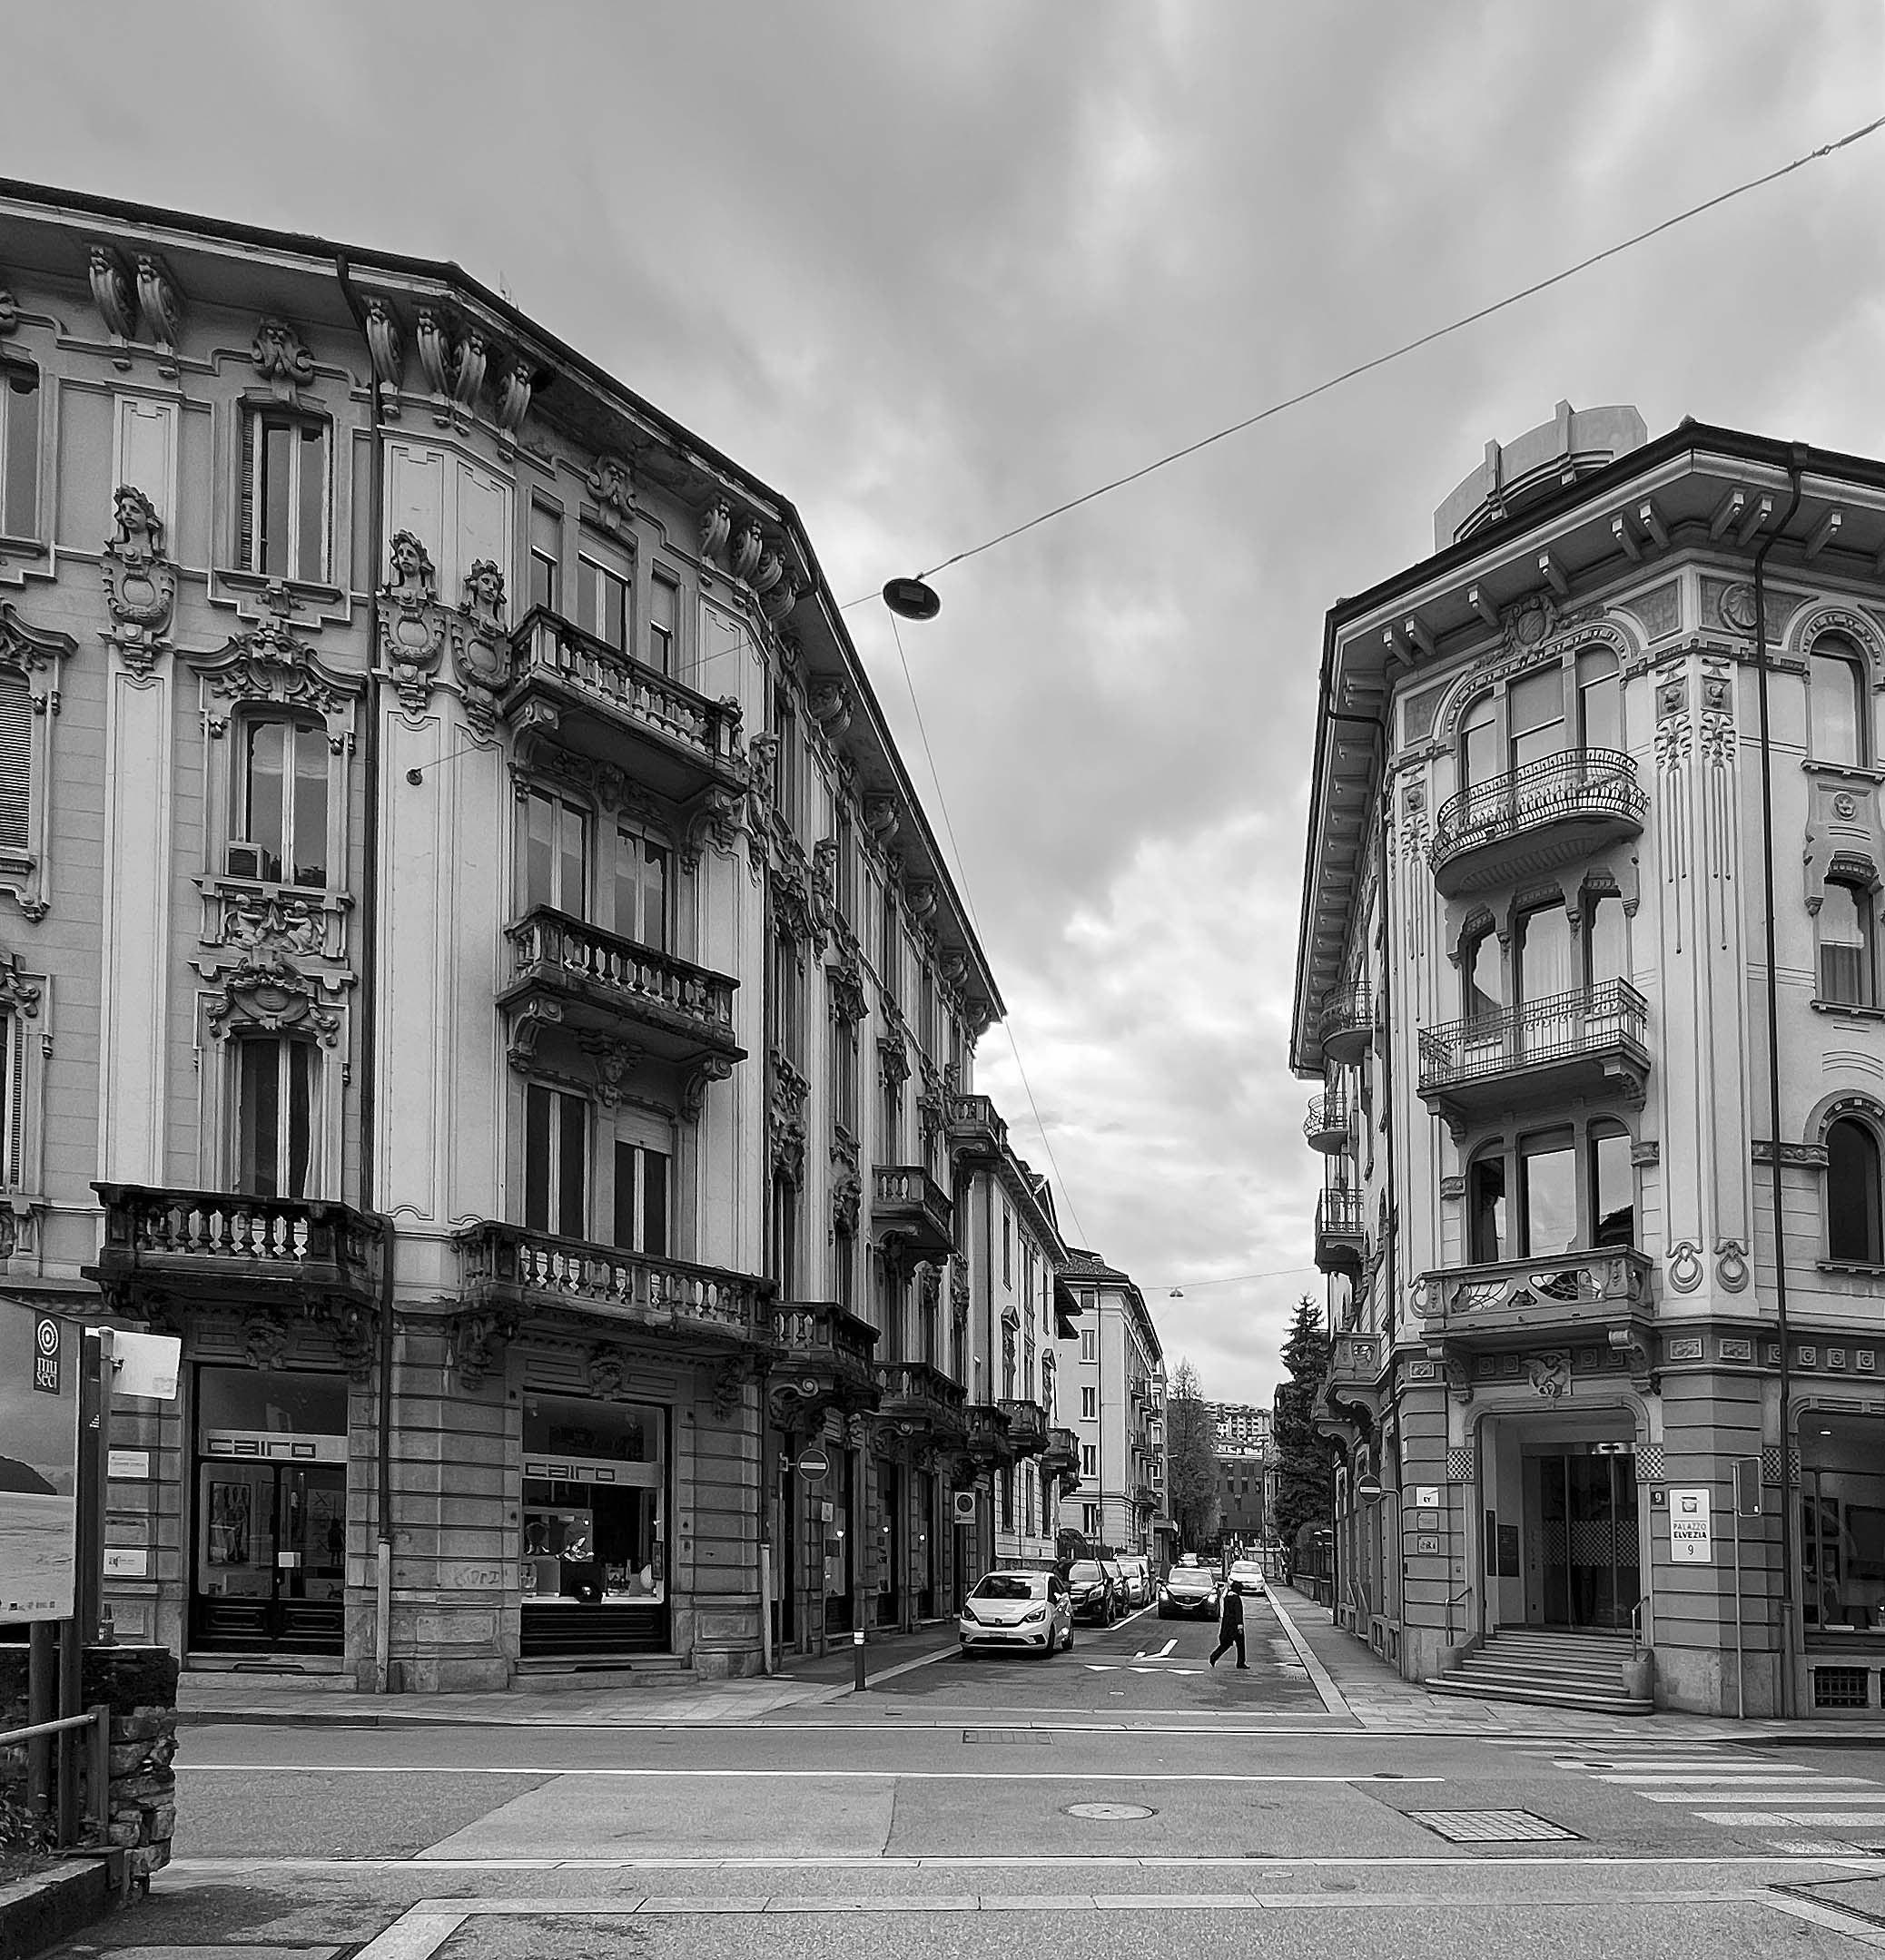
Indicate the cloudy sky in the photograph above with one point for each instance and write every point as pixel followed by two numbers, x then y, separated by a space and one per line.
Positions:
pixel 931 269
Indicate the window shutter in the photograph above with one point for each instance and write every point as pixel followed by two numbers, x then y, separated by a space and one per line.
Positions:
pixel 245 542
pixel 16 764
pixel 12 1095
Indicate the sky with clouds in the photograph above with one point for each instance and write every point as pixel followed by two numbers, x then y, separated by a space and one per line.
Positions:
pixel 931 269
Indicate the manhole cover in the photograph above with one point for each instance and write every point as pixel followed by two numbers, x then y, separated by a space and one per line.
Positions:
pixel 1489 1827
pixel 1110 1812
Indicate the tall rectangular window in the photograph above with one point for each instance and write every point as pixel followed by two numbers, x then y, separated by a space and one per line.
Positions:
pixel 786 998
pixel 844 1074
pixel 1547 1192
pixel 602 603
pixel 891 947
pixel 845 868
pixel 786 767
pixel 274 1117
pixel 1088 1344
pixel 1089 1404
pixel 12 1094
pixel 285 495
pixel 556 854
pixel 556 1162
pixel 1007 1246
pixel 19 451
pixel 281 812
pixel 664 624
pixel 1090 1519
pixel 643 882
pixel 641 1199
pixel 546 558
pixel 890 1119
pixel 784 1246
pixel 1089 1460
pixel 15 764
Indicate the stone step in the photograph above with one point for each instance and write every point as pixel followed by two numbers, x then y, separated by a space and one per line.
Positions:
pixel 1595 1681
pixel 1565 1697
pixel 559 1676
pixel 214 1678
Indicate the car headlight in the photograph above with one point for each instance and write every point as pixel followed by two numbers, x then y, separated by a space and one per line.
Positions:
pixel 1036 1612
pixel 968 1614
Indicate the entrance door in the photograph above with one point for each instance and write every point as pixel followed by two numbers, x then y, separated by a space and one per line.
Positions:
pixel 1589 1563
pixel 271 1557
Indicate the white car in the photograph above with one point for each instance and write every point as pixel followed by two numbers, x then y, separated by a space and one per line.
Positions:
pixel 1246 1576
pixel 1032 1612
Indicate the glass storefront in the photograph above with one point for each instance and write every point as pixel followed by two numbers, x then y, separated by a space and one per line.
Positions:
pixel 1841 1524
pixel 595 1553
pixel 1591 1565
pixel 269 1558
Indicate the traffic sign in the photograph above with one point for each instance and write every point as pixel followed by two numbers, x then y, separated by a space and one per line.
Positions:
pixel 813 1462
pixel 1367 1489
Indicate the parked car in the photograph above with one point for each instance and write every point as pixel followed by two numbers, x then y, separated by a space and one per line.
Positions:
pixel 1027 1611
pixel 1246 1576
pixel 1136 1569
pixel 1188 1587
pixel 1093 1585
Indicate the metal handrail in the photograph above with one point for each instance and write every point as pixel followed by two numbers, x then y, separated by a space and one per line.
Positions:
pixel 1573 783
pixel 98 1718
pixel 1579 1022
pixel 1637 1629
pixel 1466 1593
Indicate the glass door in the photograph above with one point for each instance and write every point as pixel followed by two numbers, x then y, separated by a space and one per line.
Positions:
pixel 271 1557
pixel 1592 1565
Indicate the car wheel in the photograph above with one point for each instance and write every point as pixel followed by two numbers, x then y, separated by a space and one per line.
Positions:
pixel 1068 1646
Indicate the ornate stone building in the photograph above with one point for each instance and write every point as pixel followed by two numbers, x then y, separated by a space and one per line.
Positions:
pixel 473 965
pixel 1589 985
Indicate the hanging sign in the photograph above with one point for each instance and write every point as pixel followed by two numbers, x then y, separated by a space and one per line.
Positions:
pixel 1689 1540
pixel 39 1381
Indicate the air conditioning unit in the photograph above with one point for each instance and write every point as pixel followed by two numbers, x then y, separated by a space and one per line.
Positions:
pixel 964 1501
pixel 245 860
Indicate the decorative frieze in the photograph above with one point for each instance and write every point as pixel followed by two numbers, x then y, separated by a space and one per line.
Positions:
pixel 267 992
pixel 281 358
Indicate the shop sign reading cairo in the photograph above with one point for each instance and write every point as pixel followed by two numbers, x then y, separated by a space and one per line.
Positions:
pixel 39 1392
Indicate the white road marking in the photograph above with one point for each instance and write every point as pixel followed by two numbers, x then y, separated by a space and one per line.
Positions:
pixel 795 1775
pixel 416 1935
pixel 1768 1793
pixel 1163 1653
pixel 1875 1818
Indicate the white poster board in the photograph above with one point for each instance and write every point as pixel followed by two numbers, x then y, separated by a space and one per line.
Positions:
pixel 40 1357
pixel 1689 1540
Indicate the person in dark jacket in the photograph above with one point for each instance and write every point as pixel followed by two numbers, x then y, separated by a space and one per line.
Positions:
pixel 1230 1627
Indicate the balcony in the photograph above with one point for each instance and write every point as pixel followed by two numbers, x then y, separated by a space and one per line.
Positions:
pixel 1145 1496
pixel 567 971
pixel 1346 1025
pixel 1341 1241
pixel 1592 1042
pixel 696 1309
pixel 1330 1123
pixel 1027 1427
pixel 908 1207
pixel 1061 1452
pixel 1354 1372
pixel 1551 813
pixel 1604 1297
pixel 824 1363
pixel 922 1401
pixel 976 1130
pixel 592 697
pixel 985 1426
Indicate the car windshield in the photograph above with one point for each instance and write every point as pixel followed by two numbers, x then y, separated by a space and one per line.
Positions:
pixel 1086 1569
pixel 1245 1565
pixel 1189 1575
pixel 1010 1586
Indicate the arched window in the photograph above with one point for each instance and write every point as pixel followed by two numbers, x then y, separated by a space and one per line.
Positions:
pixel 1600 700
pixel 278 810
pixel 1543 943
pixel 1489 1227
pixel 275 1112
pixel 1536 705
pixel 1852 1193
pixel 1482 973
pixel 1836 687
pixel 1480 761
pixel 1848 965
pixel 1606 942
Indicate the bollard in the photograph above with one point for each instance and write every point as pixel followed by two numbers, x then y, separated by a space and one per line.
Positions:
pixel 857 1686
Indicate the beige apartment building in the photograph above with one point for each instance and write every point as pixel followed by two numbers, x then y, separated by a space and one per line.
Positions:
pixel 1589 985
pixel 473 966
pixel 1114 1366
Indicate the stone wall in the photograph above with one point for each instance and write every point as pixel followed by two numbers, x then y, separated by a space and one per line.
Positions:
pixel 139 1685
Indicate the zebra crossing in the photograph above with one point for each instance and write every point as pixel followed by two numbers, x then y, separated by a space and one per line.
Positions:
pixel 1719 1783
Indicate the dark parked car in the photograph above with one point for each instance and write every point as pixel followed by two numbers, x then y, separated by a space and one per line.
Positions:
pixel 1188 1588
pixel 1095 1588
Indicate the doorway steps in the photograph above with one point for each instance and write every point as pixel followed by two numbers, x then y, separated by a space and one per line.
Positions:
pixel 1547 1668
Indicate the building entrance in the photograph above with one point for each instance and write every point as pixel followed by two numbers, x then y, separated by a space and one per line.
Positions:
pixel 1584 1567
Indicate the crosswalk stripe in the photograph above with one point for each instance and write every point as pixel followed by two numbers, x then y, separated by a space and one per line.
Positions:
pixel 1805 1781
pixel 1783 1794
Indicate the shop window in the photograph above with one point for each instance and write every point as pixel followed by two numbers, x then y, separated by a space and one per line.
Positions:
pixel 556 854
pixel 280 808
pixel 275 1108
pixel 1852 1194
pixel 1849 965
pixel 1843 1524
pixel 664 624
pixel 594 1478
pixel 284 500
pixel 1836 701
pixel 556 1162
pixel 641 1199
pixel 643 888
pixel 19 450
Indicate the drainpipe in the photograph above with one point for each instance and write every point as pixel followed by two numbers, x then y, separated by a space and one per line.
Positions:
pixel 1789 1639
pixel 369 1070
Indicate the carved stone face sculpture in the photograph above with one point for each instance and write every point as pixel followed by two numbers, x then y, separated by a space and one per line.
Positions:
pixel 410 561
pixel 136 518
pixel 487 584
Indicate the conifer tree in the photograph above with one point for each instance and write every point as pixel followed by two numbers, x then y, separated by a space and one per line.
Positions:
pixel 1304 1472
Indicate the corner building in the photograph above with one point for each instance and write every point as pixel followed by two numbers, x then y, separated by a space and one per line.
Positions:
pixel 1603 1196
pixel 471 964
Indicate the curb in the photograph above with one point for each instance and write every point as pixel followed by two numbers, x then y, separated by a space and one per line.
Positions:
pixel 1333 1700
pixel 37 1912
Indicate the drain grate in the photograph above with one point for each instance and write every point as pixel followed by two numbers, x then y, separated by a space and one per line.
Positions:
pixel 1006 1734
pixel 1489 1827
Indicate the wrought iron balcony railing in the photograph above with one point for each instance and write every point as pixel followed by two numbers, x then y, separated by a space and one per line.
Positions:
pixel 1567 1041
pixel 1330 1123
pixel 1345 1024
pixel 210 1247
pixel 1584 793
pixel 678 1010
pixel 1340 1235
pixel 535 1271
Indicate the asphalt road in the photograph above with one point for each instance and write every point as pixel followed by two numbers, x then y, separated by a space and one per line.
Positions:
pixel 1088 1805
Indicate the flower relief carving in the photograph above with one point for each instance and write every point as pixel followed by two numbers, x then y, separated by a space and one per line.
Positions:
pixel 270 664
pixel 281 358
pixel 140 582
pixel 411 622
pixel 269 991
pixel 613 487
pixel 481 646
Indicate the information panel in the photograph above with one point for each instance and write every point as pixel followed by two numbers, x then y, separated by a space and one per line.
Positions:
pixel 40 1357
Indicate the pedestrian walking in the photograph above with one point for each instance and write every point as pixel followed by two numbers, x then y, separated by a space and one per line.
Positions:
pixel 1230 1627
